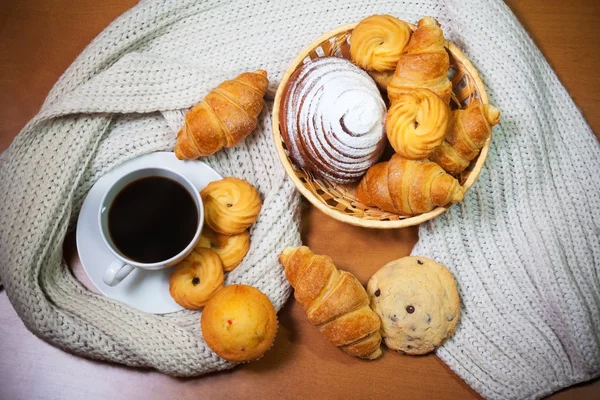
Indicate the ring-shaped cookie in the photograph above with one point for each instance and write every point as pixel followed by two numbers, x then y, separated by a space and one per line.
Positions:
pixel 231 249
pixel 378 41
pixel 231 205
pixel 196 279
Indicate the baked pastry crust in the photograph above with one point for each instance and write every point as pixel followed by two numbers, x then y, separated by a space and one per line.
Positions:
pixel 425 63
pixel 334 301
pixel 224 118
pixel 382 79
pixel 469 129
pixel 408 187
pixel 332 119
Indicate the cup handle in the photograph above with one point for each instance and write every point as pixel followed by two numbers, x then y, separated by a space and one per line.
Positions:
pixel 116 272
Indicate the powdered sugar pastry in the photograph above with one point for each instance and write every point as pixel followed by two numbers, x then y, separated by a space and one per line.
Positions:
pixel 333 119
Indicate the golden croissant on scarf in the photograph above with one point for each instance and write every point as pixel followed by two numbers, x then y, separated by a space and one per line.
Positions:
pixel 224 118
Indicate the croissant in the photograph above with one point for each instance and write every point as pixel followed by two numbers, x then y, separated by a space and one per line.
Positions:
pixel 334 301
pixel 377 42
pixel 416 123
pixel 225 117
pixel 408 187
pixel 425 63
pixel 469 130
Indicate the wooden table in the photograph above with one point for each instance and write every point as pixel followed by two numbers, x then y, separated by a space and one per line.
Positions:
pixel 40 38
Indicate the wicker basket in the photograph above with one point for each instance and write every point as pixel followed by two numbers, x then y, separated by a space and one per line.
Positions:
pixel 339 201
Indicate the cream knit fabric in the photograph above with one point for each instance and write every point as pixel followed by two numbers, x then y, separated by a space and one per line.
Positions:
pixel 524 245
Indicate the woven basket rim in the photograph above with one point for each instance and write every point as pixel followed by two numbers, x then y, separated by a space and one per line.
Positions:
pixel 320 204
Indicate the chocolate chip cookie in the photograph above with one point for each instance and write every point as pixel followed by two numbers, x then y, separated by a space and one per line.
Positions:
pixel 418 303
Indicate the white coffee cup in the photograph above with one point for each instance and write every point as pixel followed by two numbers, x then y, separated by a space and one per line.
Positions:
pixel 123 266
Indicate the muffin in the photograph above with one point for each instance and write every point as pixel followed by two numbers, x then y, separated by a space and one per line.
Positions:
pixel 239 323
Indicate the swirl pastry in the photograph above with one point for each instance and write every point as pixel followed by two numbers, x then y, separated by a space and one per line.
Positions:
pixel 332 119
pixel 408 187
pixel 231 205
pixel 377 42
pixel 470 129
pixel 416 123
pixel 231 249
pixel 196 279
pixel 425 63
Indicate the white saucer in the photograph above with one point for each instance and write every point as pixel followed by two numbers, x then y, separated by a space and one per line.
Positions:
pixel 147 291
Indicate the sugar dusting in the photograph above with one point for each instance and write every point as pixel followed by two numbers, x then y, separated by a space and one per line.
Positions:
pixel 335 119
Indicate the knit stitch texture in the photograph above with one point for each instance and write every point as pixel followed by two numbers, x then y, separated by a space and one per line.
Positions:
pixel 524 245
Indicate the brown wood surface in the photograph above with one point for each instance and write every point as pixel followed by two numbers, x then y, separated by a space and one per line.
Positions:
pixel 40 38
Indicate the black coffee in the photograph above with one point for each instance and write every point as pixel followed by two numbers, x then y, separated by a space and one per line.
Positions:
pixel 152 219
